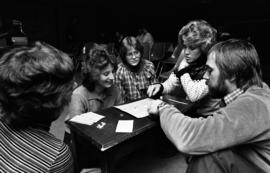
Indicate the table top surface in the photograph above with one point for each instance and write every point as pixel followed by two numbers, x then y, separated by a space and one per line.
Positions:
pixel 106 137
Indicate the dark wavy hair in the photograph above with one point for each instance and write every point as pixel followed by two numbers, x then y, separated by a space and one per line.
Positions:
pixel 238 60
pixel 36 84
pixel 126 44
pixel 96 60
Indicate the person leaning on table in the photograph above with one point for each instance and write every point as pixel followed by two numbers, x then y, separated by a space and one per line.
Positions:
pixel 98 90
pixel 186 80
pixel 235 138
pixel 36 85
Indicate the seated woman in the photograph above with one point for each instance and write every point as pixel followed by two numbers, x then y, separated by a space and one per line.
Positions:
pixel 134 74
pixel 97 90
pixel 36 84
pixel 197 37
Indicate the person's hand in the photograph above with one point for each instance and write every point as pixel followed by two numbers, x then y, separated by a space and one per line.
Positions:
pixel 153 107
pixel 153 90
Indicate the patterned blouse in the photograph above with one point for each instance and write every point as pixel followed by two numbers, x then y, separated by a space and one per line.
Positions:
pixel 134 85
pixel 195 89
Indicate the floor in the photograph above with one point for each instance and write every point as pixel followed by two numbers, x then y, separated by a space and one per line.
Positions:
pixel 148 162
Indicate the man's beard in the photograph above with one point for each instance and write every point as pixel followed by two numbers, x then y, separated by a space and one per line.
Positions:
pixel 220 90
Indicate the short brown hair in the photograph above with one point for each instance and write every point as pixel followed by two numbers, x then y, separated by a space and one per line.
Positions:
pixel 36 83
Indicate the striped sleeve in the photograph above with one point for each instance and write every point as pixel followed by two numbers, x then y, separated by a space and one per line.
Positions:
pixel 63 162
pixel 32 150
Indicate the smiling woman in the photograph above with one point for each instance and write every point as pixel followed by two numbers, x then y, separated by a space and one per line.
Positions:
pixel 97 90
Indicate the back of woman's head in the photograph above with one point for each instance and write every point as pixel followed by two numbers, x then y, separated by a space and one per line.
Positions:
pixel 198 33
pixel 96 60
pixel 36 83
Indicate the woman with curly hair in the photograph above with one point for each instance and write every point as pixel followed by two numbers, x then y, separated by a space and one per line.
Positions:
pixel 196 37
pixel 97 90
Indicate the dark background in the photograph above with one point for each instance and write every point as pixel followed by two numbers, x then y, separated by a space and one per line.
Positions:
pixel 68 24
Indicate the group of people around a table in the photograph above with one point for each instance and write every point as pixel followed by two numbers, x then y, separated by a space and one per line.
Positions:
pixel 228 129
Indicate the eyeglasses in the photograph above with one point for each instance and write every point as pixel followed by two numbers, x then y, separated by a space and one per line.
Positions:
pixel 134 53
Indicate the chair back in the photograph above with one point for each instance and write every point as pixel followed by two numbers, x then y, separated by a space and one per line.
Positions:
pixel 146 50
pixel 158 51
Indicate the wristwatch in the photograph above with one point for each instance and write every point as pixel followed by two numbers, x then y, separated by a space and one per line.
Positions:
pixel 161 105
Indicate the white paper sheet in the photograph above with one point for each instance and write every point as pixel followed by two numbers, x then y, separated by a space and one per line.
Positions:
pixel 137 108
pixel 124 126
pixel 88 118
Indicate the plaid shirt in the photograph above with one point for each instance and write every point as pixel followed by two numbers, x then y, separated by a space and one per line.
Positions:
pixel 133 85
pixel 232 96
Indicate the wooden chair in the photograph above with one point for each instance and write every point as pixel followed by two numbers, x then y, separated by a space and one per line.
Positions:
pixel 171 63
pixel 164 65
pixel 146 51
pixel 158 51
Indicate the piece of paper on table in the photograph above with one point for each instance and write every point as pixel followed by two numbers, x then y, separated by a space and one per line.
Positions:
pixel 124 126
pixel 88 118
pixel 138 108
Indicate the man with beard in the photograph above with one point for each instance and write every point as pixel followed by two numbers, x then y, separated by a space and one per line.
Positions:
pixel 235 138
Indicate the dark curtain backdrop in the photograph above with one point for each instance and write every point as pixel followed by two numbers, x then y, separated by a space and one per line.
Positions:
pixel 65 23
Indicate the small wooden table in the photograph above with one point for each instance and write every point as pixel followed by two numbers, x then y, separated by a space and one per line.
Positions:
pixel 93 145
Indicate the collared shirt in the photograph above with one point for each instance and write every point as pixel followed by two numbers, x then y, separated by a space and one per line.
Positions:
pixel 243 122
pixel 232 96
pixel 133 85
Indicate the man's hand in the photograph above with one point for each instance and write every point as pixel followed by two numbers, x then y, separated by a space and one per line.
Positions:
pixel 153 106
pixel 153 90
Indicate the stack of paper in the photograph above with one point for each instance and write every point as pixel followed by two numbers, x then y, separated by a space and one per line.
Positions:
pixel 88 118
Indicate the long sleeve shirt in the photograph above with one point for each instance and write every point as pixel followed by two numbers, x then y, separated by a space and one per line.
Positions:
pixel 32 150
pixel 133 85
pixel 83 101
pixel 244 121
pixel 194 89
